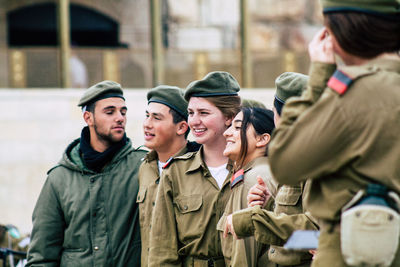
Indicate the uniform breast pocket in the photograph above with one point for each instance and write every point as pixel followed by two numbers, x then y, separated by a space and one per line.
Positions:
pixel 189 215
pixel 288 200
pixel 141 194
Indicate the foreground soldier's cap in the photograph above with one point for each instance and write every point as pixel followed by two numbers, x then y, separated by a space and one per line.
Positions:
pixel 217 83
pixel 290 84
pixel 170 96
pixel 101 90
pixel 364 6
pixel 251 103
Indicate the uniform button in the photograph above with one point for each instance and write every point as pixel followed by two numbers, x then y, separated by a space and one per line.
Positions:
pixel 96 248
pixel 153 203
pixel 91 180
pixel 272 250
pixel 185 207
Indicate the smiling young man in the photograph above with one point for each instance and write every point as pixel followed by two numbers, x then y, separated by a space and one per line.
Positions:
pixel 87 214
pixel 165 130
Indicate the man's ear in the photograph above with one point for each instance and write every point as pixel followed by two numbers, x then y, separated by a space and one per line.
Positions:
pixel 181 127
pixel 88 117
pixel 263 140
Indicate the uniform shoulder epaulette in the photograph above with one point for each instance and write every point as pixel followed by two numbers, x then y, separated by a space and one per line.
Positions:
pixel 340 82
pixel 237 177
pixel 343 78
pixel 186 155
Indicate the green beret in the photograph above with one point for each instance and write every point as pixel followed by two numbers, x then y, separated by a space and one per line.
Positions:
pixel 101 90
pixel 170 96
pixel 250 103
pixel 290 84
pixel 217 83
pixel 363 6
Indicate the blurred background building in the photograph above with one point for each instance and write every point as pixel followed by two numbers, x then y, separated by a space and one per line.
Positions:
pixel 140 43
pixel 48 47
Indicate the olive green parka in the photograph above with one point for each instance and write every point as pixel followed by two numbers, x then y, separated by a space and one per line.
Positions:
pixel 84 218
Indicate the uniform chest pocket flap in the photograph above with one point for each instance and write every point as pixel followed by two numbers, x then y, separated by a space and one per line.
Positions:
pixel 141 194
pixel 190 203
pixel 288 195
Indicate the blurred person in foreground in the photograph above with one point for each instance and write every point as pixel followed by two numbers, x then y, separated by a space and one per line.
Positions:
pixel 165 130
pixel 343 134
pixel 87 214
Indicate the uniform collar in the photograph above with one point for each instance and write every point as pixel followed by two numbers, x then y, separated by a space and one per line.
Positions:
pixel 238 176
pixel 151 156
pixel 198 162
pixel 254 162
pixel 385 63
pixel 188 147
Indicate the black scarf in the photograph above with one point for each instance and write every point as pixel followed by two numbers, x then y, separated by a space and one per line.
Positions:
pixel 94 160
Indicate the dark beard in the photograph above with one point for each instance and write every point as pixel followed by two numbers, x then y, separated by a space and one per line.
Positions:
pixel 107 138
pixel 95 160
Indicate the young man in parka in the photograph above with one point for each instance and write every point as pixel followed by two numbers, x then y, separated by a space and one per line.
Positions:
pixel 86 213
pixel 165 130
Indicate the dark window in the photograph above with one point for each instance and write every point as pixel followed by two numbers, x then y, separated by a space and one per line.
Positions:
pixel 36 25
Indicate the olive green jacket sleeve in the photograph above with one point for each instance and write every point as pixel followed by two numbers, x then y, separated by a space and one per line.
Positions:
pixel 313 128
pixel 42 252
pixel 163 235
pixel 267 227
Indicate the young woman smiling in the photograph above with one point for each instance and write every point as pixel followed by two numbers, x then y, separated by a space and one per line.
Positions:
pixel 247 141
pixel 193 191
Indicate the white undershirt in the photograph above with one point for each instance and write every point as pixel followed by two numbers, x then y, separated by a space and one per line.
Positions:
pixel 160 165
pixel 219 174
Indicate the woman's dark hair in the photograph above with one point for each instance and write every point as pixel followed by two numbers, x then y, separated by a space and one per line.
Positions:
pixel 262 121
pixel 365 35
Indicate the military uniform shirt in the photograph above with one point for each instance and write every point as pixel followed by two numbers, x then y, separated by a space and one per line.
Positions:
pixel 289 200
pixel 149 179
pixel 189 204
pixel 246 251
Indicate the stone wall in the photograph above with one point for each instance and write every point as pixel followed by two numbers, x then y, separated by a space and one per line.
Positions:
pixel 37 125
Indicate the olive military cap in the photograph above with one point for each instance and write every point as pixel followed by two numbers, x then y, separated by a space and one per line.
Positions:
pixel 101 90
pixel 363 6
pixel 217 83
pixel 290 84
pixel 170 96
pixel 250 103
